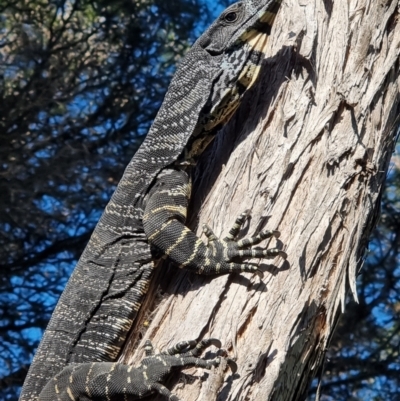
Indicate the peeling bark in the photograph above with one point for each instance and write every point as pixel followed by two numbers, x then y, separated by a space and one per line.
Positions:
pixel 308 153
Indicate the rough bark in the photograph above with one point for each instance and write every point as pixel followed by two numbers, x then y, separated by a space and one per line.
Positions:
pixel 308 153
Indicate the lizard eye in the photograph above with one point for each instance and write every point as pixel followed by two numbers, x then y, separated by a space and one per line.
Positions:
pixel 231 17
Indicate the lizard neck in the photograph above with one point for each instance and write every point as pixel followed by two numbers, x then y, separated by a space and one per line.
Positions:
pixel 195 147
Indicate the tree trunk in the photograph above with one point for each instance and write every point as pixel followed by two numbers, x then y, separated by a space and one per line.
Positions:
pixel 307 153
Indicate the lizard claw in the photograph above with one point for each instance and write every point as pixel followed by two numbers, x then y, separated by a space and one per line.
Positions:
pixel 259 273
pixel 214 341
pixel 222 353
pixel 232 365
pixel 283 254
pixel 276 233
pixel 274 252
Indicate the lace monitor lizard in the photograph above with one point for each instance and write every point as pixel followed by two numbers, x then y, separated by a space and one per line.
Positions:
pixel 145 217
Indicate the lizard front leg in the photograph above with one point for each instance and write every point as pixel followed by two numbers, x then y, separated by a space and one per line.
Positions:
pixel 164 219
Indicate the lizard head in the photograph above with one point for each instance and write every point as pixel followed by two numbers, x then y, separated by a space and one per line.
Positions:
pixel 236 43
pixel 239 23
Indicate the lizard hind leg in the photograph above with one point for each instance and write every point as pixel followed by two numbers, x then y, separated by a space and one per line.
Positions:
pixel 154 368
pixel 181 347
pixel 192 347
pixel 203 344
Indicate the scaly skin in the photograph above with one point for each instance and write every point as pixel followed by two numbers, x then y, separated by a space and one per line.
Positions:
pixel 115 381
pixel 145 217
